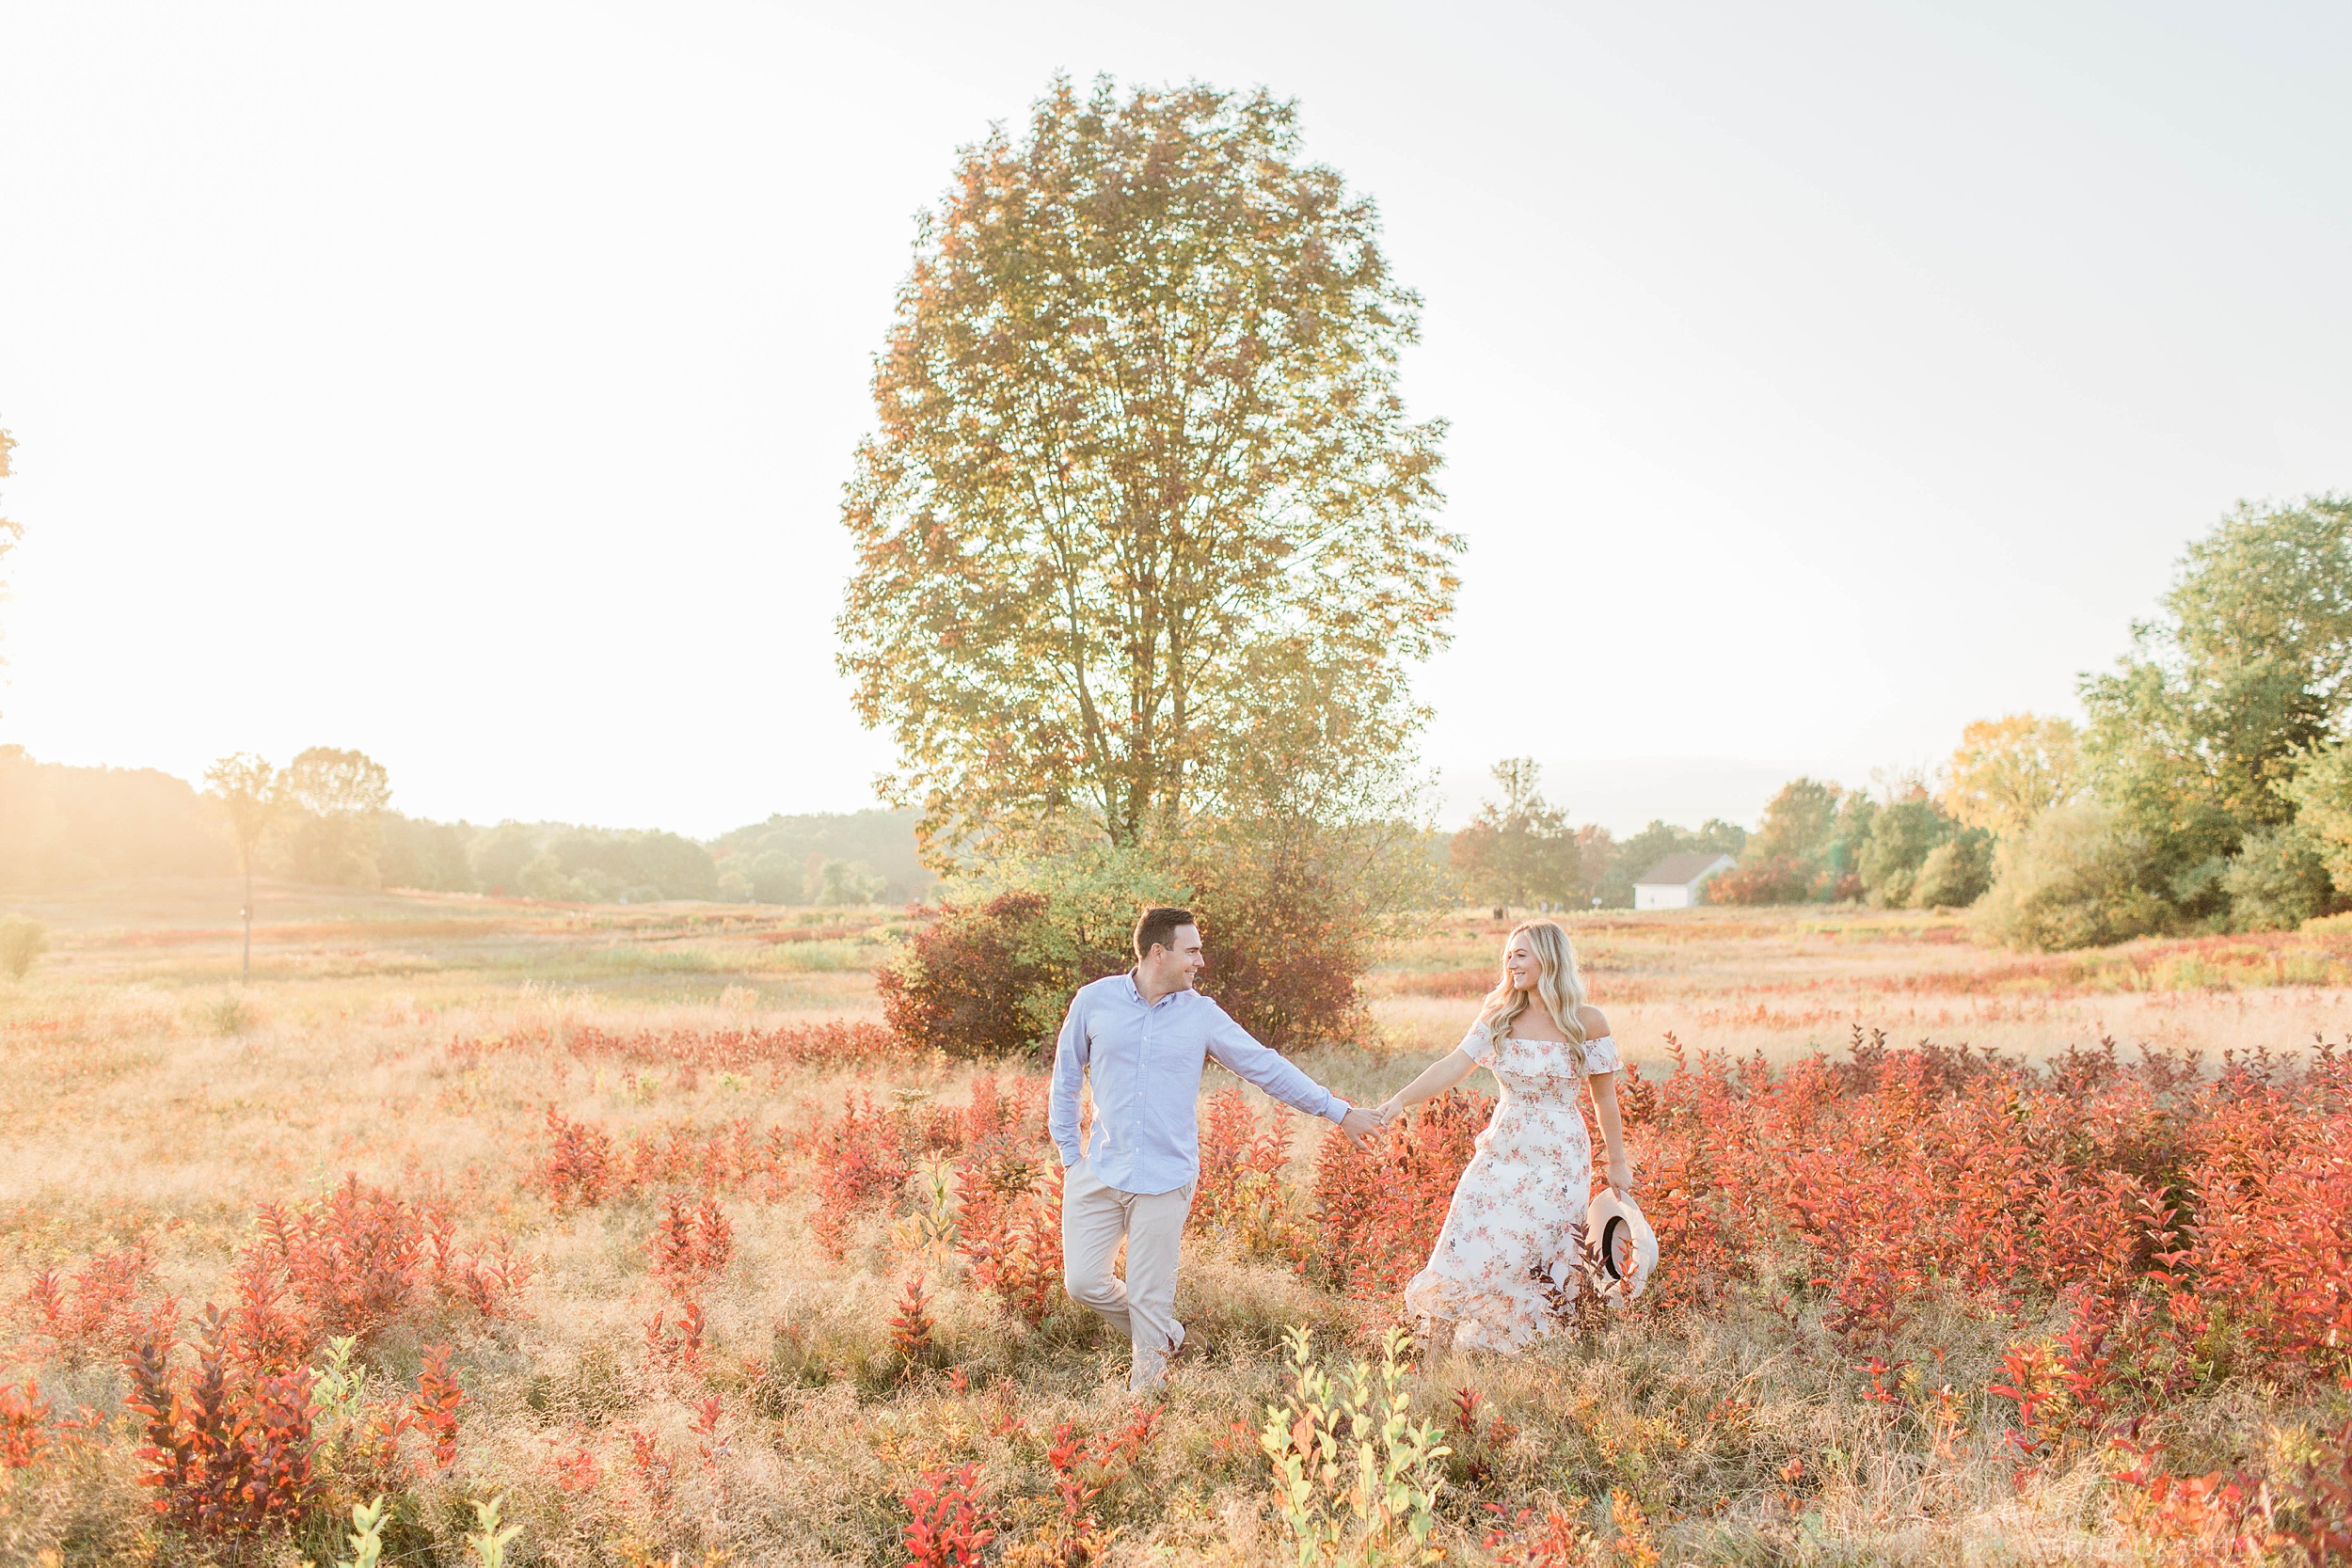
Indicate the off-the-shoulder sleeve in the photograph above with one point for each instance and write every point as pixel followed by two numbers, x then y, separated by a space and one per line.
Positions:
pixel 1479 1044
pixel 1600 1055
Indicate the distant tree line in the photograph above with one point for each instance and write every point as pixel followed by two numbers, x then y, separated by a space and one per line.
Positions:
pixel 325 819
pixel 1520 849
pixel 2210 788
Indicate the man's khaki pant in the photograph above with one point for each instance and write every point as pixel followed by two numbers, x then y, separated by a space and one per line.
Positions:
pixel 1093 1218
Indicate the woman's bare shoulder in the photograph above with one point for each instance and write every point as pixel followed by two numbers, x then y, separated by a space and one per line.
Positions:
pixel 1593 1020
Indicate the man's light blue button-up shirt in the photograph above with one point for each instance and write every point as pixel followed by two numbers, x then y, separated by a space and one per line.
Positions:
pixel 1146 1064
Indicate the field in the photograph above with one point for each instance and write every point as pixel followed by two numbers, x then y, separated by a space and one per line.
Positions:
pixel 638 1220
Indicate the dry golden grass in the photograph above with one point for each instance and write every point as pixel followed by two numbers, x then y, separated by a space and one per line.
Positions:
pixel 152 1102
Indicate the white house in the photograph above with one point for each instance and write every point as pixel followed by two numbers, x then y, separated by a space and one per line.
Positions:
pixel 1674 883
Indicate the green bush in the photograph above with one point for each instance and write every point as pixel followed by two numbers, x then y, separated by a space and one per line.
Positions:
pixel 2078 878
pixel 2277 881
pixel 1901 837
pixel 22 939
pixel 1955 872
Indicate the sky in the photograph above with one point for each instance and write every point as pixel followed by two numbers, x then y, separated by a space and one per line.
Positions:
pixel 474 384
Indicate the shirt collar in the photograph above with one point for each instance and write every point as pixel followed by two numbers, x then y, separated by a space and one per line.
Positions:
pixel 1136 991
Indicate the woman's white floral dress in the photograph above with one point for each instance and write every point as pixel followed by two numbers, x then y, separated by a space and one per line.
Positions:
pixel 1503 1269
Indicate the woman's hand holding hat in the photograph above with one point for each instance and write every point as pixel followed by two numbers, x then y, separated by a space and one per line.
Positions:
pixel 1621 1177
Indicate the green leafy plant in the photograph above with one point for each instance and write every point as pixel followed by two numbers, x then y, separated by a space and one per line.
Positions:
pixel 366 1540
pixel 488 1544
pixel 1352 1469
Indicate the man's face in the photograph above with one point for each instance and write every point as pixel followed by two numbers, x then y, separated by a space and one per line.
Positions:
pixel 1176 967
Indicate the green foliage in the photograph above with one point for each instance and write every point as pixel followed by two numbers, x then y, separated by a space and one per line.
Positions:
pixel 488 1542
pixel 2196 732
pixel 2321 792
pixel 837 882
pixel 1901 837
pixel 248 791
pixel 1613 864
pixel 776 856
pixel 366 1540
pixel 1810 845
pixel 1351 1468
pixel 1800 823
pixel 2277 880
pixel 1519 848
pixel 23 941
pixel 1142 485
pixel 2082 875
pixel 1956 872
pixel 425 855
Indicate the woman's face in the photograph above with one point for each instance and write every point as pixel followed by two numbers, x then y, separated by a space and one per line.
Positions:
pixel 1520 962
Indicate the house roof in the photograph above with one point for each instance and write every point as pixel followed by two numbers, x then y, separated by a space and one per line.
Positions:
pixel 1680 870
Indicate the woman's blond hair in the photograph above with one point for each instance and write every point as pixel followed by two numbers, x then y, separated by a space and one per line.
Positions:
pixel 1558 985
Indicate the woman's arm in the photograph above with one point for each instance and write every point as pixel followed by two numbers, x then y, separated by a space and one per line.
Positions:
pixel 1437 1077
pixel 1604 1089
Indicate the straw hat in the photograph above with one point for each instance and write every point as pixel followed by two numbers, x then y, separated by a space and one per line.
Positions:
pixel 1627 1244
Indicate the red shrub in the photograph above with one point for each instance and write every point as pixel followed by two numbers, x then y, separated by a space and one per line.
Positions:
pixel 584 1164
pixel 1083 1471
pixel 1382 1208
pixel 90 1313
pixel 579 1166
pixel 861 1165
pixel 959 986
pixel 911 1325
pixel 1008 1224
pixel 684 1351
pixel 947 1525
pixel 24 1417
pixel 438 1397
pixel 691 1244
pixel 228 1452
pixel 1232 1150
pixel 1781 881
pixel 350 1260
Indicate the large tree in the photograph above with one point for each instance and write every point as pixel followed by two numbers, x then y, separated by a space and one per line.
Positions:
pixel 2199 727
pixel 2007 771
pixel 1141 470
pixel 338 799
pixel 1520 848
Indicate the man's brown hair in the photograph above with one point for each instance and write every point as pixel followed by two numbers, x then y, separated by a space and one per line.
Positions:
pixel 1156 926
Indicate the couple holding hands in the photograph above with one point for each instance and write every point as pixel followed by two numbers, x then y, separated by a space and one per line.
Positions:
pixel 1507 1264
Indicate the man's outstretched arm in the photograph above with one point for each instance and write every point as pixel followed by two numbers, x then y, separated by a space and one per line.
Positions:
pixel 1070 1071
pixel 1262 1065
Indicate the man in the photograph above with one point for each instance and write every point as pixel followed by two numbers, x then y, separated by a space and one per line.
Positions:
pixel 1144 1037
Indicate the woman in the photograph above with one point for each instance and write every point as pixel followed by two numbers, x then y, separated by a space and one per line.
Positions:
pixel 1507 1263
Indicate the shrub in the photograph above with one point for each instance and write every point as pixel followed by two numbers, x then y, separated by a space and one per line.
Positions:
pixel 1956 872
pixel 1902 836
pixel 1779 879
pixel 22 939
pixel 2277 881
pixel 1381 1209
pixel 968 982
pixel 227 1451
pixel 2078 878
pixel 947 1525
pixel 690 1243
